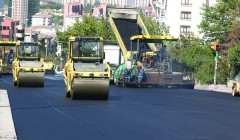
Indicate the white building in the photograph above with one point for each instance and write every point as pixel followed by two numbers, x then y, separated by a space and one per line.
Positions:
pixel 181 16
pixel 132 3
pixel 83 2
pixel 20 10
pixel 42 20
pixel 71 19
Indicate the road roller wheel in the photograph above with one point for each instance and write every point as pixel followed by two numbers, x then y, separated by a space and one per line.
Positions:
pixel 14 82
pixel 72 91
pixel 67 93
pixel 17 83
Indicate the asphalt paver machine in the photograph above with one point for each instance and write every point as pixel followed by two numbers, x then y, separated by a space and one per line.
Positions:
pixel 157 66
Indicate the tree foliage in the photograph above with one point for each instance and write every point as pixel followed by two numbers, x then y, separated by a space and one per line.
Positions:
pixel 217 20
pixel 153 27
pixel 51 5
pixel 57 20
pixel 89 27
pixel 190 53
pixel 221 22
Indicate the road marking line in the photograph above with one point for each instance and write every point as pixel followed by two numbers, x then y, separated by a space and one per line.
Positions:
pixel 7 129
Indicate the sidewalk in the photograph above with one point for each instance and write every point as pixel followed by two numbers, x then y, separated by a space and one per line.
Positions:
pixel 7 129
pixel 215 88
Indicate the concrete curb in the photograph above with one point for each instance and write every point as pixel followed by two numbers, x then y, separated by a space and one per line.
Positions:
pixel 7 129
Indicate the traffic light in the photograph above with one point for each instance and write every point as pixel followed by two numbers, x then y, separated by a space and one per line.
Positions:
pixel 215 46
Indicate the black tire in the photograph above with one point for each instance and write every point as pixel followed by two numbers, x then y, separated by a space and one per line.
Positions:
pixel 67 94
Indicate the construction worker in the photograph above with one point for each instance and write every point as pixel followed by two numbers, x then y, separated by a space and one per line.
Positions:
pixel 128 68
pixel 162 52
pixel 139 71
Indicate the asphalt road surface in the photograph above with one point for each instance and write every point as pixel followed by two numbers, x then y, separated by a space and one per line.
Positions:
pixel 129 114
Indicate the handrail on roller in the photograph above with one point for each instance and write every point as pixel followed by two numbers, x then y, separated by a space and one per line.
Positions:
pixel 115 30
pixel 142 25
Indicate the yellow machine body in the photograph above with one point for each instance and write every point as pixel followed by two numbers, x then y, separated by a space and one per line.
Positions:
pixel 28 66
pixel 6 57
pixel 1 63
pixel 85 74
pixel 49 66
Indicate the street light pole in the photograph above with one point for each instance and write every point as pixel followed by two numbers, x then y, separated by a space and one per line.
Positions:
pixel 215 69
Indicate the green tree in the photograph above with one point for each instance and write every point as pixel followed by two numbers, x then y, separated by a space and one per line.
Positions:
pixel 217 19
pixel 51 5
pixel 153 27
pixel 89 27
pixel 221 22
pixel 234 61
pixel 58 20
pixel 193 56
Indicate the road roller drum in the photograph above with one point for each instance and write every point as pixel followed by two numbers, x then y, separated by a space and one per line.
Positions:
pixel 90 89
pixel 30 79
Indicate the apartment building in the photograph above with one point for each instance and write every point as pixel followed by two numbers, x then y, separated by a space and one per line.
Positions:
pixel 9 29
pixel 20 10
pixel 182 16
pixel 83 2
pixel 121 3
pixel 33 8
pixel 1 7
pixel 71 10
pixel 42 20
pixel 72 18
pixel 100 11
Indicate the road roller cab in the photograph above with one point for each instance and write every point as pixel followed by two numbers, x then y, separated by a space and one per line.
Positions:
pixel 85 74
pixel 28 66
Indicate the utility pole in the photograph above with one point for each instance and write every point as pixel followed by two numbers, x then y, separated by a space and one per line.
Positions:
pixel 215 69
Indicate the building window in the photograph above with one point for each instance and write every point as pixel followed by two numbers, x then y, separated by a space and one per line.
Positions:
pixel 185 29
pixel 186 2
pixel 185 15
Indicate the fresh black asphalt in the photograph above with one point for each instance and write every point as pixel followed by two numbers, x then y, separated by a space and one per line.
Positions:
pixel 129 114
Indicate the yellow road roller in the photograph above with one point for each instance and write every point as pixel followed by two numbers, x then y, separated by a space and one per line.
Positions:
pixel 86 76
pixel 28 66
pixel 49 66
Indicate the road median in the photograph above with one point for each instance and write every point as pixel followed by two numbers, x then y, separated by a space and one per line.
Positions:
pixel 7 129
